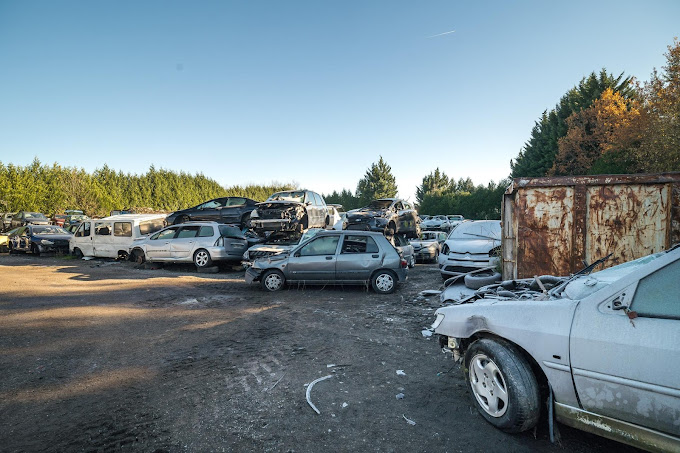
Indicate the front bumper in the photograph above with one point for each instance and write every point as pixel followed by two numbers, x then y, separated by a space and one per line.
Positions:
pixel 455 264
pixel 274 224
pixel 426 254
pixel 252 275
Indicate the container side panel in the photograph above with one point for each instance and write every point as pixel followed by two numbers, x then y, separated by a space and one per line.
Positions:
pixel 629 221
pixel 545 225
pixel 675 215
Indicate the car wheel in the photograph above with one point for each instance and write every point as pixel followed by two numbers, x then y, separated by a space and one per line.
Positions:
pixel 502 385
pixel 137 256
pixel 273 280
pixel 384 282
pixel 202 258
pixel 35 249
pixel 78 253
pixel 245 220
pixel 412 263
pixel 436 257
pixel 11 249
pixel 391 229
pixel 476 281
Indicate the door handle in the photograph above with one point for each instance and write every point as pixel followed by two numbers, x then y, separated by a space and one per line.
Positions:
pixel 329 257
pixel 375 256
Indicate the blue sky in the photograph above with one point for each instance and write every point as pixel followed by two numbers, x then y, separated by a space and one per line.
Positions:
pixel 310 92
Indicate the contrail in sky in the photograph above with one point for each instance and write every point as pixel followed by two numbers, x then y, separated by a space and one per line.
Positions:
pixel 441 34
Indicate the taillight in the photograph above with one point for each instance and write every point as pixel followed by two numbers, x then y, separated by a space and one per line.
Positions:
pixel 219 242
pixel 404 264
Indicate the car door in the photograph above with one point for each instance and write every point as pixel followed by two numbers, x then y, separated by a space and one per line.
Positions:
pixel 314 261
pixel 208 211
pixel 82 239
pixel 184 242
pixel 624 352
pixel 158 245
pixel 102 240
pixel 359 257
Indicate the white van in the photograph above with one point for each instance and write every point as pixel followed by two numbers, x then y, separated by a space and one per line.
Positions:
pixel 112 237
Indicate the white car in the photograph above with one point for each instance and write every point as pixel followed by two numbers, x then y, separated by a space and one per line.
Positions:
pixel 199 242
pixel 426 248
pixel 437 222
pixel 470 246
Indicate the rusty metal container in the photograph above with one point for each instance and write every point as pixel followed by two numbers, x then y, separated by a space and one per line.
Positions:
pixel 552 225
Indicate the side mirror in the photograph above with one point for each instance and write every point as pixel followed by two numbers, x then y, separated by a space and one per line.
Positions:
pixel 309 203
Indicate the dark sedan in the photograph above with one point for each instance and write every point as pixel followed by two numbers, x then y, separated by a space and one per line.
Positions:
pixel 38 239
pixel 389 216
pixel 235 210
pixel 23 218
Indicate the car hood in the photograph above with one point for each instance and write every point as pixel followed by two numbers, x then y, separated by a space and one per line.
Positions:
pixel 279 204
pixel 52 236
pixel 271 248
pixel 364 213
pixel 475 245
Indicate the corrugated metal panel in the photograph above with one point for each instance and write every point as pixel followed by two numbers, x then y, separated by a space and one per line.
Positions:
pixel 629 221
pixel 552 224
pixel 544 222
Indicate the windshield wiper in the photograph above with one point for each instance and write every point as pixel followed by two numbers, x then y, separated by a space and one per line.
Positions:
pixel 585 271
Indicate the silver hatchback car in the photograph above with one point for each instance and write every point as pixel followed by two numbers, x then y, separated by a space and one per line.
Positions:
pixel 334 257
pixel 200 242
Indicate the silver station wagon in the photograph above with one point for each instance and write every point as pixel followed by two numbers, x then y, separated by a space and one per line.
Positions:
pixel 200 242
pixel 334 257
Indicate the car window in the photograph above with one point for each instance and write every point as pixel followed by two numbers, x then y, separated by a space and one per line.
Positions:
pixel 122 229
pixel 230 231
pixel 206 231
pixel 212 204
pixel 102 229
pixel 83 230
pixel 188 232
pixel 658 294
pixel 398 206
pixel 359 244
pixel 296 196
pixel 165 234
pixel 151 226
pixel 235 202
pixel 320 246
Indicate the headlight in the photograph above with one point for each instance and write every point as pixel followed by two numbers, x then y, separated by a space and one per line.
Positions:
pixel 438 320
pixel 46 242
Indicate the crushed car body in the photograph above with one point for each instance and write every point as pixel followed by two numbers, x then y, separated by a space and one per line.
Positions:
pixel 293 210
pixel 605 344
pixel 389 216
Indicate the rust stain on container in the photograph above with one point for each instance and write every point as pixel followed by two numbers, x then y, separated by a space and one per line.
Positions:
pixel 552 225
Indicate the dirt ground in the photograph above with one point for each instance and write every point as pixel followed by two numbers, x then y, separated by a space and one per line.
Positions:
pixel 101 356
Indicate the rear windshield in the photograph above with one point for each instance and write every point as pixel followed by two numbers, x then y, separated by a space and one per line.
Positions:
pixel 230 231
pixel 34 215
pixel 151 226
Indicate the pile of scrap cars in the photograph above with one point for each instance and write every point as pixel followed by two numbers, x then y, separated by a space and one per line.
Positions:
pixel 540 333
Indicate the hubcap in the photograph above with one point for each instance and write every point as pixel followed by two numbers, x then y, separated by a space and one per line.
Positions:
pixel 273 282
pixel 201 258
pixel 488 385
pixel 384 282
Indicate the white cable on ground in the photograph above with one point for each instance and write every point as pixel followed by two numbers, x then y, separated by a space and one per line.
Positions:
pixel 309 391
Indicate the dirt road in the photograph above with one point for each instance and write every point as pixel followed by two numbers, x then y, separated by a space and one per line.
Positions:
pixel 101 356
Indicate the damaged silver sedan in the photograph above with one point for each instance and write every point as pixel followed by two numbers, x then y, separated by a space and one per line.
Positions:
pixel 294 210
pixel 601 348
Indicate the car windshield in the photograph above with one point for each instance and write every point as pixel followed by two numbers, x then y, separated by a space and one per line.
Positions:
pixel 34 215
pixel 586 285
pixel 379 204
pixel 280 238
pixel 297 196
pixel 49 229
pixel 483 229
pixel 429 235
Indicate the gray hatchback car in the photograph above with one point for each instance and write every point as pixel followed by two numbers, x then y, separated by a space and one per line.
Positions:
pixel 334 257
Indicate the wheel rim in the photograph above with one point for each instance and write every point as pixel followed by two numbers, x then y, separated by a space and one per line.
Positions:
pixel 273 282
pixel 202 258
pixel 384 282
pixel 488 385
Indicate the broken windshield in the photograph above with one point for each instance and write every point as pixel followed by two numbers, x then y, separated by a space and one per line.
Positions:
pixel 484 229
pixel 379 204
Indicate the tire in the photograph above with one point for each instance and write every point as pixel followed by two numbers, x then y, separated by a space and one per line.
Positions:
pixel 181 219
pixel 35 249
pixel 326 223
pixel 137 256
pixel 11 249
pixel 245 220
pixel 476 281
pixel 412 263
pixel 436 257
pixel 273 280
pixel 384 282
pixel 391 229
pixel 502 385
pixel 303 225
pixel 77 253
pixel 202 258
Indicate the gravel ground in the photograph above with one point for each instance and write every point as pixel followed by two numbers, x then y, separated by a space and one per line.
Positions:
pixel 102 356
